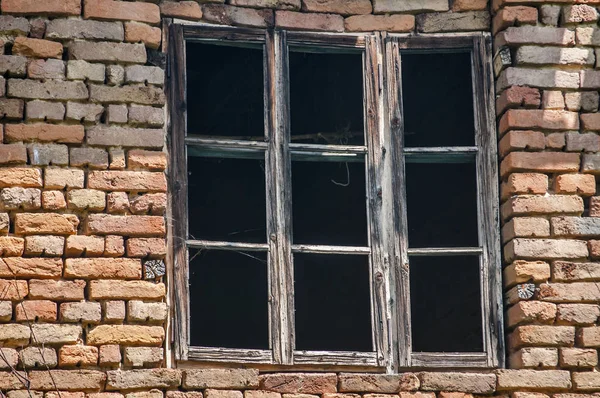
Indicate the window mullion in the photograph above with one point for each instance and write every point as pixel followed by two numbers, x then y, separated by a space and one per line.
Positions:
pixel 278 170
pixel 399 230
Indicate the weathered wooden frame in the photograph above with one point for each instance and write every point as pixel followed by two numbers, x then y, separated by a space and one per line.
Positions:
pixel 383 155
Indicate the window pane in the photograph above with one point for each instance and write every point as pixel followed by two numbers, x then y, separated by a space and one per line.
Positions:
pixel 329 203
pixel 226 199
pixel 225 91
pixel 228 299
pixel 445 306
pixel 326 98
pixel 332 299
pixel 438 99
pixel 441 201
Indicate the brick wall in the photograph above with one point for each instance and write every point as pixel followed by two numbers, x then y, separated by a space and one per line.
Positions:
pixel 83 197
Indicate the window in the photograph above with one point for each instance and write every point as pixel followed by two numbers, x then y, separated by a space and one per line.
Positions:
pixel 334 199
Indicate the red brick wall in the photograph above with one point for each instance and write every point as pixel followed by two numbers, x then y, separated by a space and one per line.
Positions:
pixel 83 196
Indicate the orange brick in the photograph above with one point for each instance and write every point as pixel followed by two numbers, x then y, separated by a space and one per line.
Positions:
pixel 11 246
pixel 546 162
pixel 141 159
pixel 31 267
pixel 539 119
pixel 46 223
pixel 138 32
pixel 46 7
pixel 139 226
pixel 509 16
pixel 56 290
pixel 518 140
pixel 469 5
pixel 525 183
pixel 138 181
pixel 13 289
pixel 37 48
pixel 108 268
pixel 146 247
pixel 20 177
pixel 121 11
pixel 35 311
pixel 41 132
pixel 581 184
pixel 77 355
pixel 518 96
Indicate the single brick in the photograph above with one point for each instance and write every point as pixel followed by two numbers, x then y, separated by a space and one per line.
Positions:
pixel 577 314
pixel 43 110
pixel 138 311
pixel 531 312
pixel 20 198
pixel 89 113
pixel 130 335
pixel 136 32
pixel 518 140
pixel 47 333
pixel 38 357
pixel 570 292
pixel 37 48
pixel 69 29
pixel 581 184
pixel 46 69
pixel 146 247
pixel 13 65
pixel 14 335
pixel 480 383
pixel 408 6
pixel 314 22
pixel 125 137
pixel 114 311
pixel 391 23
pixel 578 358
pixel 546 162
pixel 364 382
pixel 530 205
pixel 12 246
pixel 41 132
pixel 86 199
pixel 48 154
pixel 586 101
pixel 48 90
pixel 145 74
pixel 575 226
pixel 141 115
pixel 13 154
pixel 125 290
pixel 453 22
pixel 67 380
pixel 110 268
pixel 534 357
pixel 35 311
pixel 186 9
pixel 55 178
pixel 522 248
pixel 117 159
pixel 535 35
pixel 77 355
pixel 116 113
pixel 542 335
pixel 49 7
pixel 115 75
pixel 145 95
pixel 114 246
pixel 46 223
pixel 514 15
pixel 118 202
pixel 343 7
pixel 94 158
pixel 121 11
pixel 81 245
pixel 110 355
pixel 553 99
pixel 138 357
pixel 45 246
pixel 537 55
pixel 83 70
pixel 579 13
pixel 150 203
pixel 539 119
pixel 84 311
pixel 20 267
pixel 56 290
pixel 140 181
pixel 542 78
pixel 108 52
pixel 524 271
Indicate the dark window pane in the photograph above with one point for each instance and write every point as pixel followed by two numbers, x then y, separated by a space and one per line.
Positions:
pixel 441 201
pixel 225 91
pixel 326 98
pixel 329 203
pixel 228 299
pixel 438 99
pixel 332 299
pixel 445 305
pixel 226 199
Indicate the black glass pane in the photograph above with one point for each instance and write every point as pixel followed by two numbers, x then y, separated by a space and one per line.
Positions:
pixel 225 91
pixel 445 298
pixel 326 98
pixel 332 299
pixel 329 203
pixel 438 99
pixel 441 205
pixel 228 299
pixel 226 199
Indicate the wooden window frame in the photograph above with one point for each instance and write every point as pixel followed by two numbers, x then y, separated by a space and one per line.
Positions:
pixel 384 159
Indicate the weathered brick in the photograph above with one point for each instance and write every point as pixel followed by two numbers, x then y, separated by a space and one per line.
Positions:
pixel 13 154
pixel 581 184
pixel 13 65
pixel 122 11
pixel 109 355
pixel 138 357
pixel 85 312
pixel 84 112
pixel 138 311
pixel 56 290
pixel 67 380
pixel 146 247
pixel 116 113
pixel 108 52
pixel 142 115
pixel 586 381
pixel 575 226
pixel 145 95
pixel 523 271
pixel 529 205
pixel 141 181
pixel 37 48
pixel 35 311
pixel 83 70
pixel 570 292
pixel 480 383
pixel 110 268
pixel 136 32
pixel 377 383
pixel 316 22
pixel 48 90
pixel 20 198
pixel 47 333
pixel 539 119
pixel 129 335
pixel 46 69
pixel 94 158
pixel 13 289
pixel 48 154
pixel 579 13
pixel 46 246
pixel 553 99
pixel 41 132
pixel 537 55
pixel 10 358
pixel 577 314
pixel 43 110
pixel 151 203
pixel 546 162
pixel 542 78
pixel 13 335
pixel 578 358
pixel 525 227
pixel 390 23
pixel 38 357
pixel 534 357
pixel 125 137
pixel 45 223
pixel 555 141
pixel 115 74
pixel 55 178
pixel 569 271
pixel 588 142
pixel 13 246
pixel 453 22
pixel 391 6
pixel 144 74
pixel 114 311
pixel 509 379
pixel 351 7
pixel 278 4
pixel 116 289
pixel 305 383
pixel 86 199
pixel 114 246
pixel 513 15
pixel 535 35
pixel 181 9
pixel 81 245
pixel 68 29
pixel 522 248
pixel 521 140
pixel 49 7
pixel 220 378
pixel 531 312
pixel 16 26
pixel 586 101
pixel 4 223
pixel 77 355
